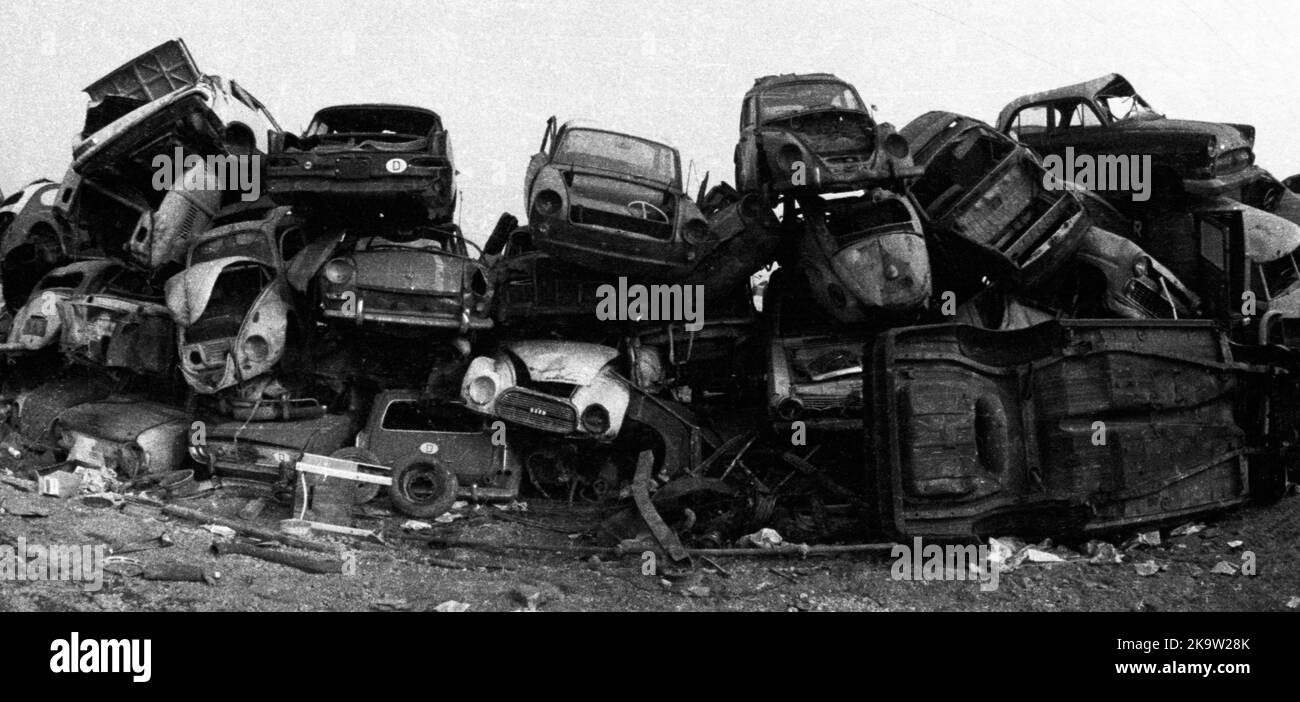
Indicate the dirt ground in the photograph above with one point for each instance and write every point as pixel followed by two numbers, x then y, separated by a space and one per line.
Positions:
pixel 407 575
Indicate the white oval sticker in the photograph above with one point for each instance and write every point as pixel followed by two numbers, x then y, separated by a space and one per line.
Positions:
pixel 428 447
pixel 395 165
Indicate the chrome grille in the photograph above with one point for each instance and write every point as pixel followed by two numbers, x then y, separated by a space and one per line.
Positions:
pixel 536 411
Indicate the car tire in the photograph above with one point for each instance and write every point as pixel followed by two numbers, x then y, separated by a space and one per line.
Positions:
pixel 422 487
pixel 363 492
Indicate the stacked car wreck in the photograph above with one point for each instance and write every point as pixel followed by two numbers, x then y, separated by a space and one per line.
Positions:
pixel 920 331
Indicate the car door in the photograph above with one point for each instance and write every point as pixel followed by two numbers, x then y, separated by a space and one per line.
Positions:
pixel 539 159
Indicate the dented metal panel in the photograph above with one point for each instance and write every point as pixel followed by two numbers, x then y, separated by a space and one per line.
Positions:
pixel 1073 425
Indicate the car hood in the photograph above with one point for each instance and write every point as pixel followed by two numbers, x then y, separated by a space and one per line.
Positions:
pixel 562 361
pixel 322 431
pixel 1268 236
pixel 120 418
pixel 1227 136
pixel 188 292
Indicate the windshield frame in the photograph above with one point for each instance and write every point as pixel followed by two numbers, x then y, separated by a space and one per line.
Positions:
pixel 764 117
pixel 675 181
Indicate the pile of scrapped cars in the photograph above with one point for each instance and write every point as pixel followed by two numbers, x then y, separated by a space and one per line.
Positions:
pixel 932 330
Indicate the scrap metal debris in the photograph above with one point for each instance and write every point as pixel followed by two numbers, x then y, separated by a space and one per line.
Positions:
pixel 876 334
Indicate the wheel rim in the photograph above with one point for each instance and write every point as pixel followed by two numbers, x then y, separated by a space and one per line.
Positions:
pixel 423 485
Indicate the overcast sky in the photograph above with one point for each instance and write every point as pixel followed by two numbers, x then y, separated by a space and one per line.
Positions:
pixel 496 69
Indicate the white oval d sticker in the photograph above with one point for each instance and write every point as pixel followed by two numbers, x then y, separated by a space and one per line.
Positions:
pixel 428 447
pixel 395 165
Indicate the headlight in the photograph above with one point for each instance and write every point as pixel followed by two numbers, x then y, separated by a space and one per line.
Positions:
pixel 62 436
pixel 1211 145
pixel 256 349
pixel 339 271
pixel 482 389
pixel 788 155
pixel 547 202
pixel 595 419
pixel 1141 266
pixel 695 231
pixel 896 146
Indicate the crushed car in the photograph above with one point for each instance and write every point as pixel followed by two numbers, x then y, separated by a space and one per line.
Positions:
pixel 32 239
pixel 126 434
pixel 1067 427
pixel 417 279
pixel 125 326
pixel 232 304
pixel 866 258
pixel 1106 117
pixel 613 203
pixel 991 201
pixel 396 158
pixel 812 133
pixel 37 324
pixel 561 387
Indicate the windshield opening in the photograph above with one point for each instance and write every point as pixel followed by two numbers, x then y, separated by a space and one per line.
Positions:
pixel 1121 103
pixel 786 100
pixel 618 152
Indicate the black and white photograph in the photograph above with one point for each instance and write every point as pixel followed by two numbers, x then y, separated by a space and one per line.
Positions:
pixel 890 307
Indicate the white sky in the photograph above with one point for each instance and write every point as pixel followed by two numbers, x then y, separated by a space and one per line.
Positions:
pixel 496 69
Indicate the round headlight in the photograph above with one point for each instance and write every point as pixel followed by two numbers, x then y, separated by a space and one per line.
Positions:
pixel 896 146
pixel 339 271
pixel 1141 266
pixel 256 349
pixel 788 155
pixel 547 202
pixel 482 389
pixel 595 419
pixel 695 231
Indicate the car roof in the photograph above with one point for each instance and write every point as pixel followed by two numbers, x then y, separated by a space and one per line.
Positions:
pixel 374 106
pixel 786 78
pixel 1087 88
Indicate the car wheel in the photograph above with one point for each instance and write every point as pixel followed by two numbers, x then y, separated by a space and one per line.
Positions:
pixel 363 492
pixel 422 487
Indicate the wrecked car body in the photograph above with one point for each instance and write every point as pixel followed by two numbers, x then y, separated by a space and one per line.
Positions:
pixel 126 325
pixel 1067 427
pixel 1105 116
pixel 560 387
pixel 991 198
pixel 393 157
pixel 814 370
pixel 866 257
pixel 233 307
pixel 37 324
pixel 404 432
pixel 418 279
pixel 125 434
pixel 613 203
pixel 812 133
pixel 266 451
pixel 32 239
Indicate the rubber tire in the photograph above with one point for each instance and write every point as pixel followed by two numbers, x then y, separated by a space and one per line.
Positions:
pixel 363 492
pixel 417 466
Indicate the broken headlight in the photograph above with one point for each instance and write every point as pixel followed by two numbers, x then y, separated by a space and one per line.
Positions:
pixel 482 390
pixel 255 348
pixel 595 419
pixel 1141 266
pixel 695 231
pixel 547 202
pixel 339 271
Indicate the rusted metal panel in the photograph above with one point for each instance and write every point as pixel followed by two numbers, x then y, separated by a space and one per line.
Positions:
pixel 1066 426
